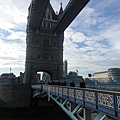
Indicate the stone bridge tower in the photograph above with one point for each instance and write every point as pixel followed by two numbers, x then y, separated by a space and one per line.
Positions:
pixel 45 37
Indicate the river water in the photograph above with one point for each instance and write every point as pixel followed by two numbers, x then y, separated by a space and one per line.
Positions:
pixel 48 113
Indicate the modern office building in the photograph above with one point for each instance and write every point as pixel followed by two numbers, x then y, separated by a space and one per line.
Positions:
pixel 112 75
pixel 101 76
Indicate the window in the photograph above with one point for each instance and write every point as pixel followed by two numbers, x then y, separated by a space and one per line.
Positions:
pixel 45 41
pixel 48 16
pixel 52 57
pixel 38 56
pixel 44 24
pixel 48 24
pixel 45 16
pixel 36 41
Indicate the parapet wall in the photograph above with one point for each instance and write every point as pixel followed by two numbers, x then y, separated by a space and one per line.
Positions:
pixel 15 96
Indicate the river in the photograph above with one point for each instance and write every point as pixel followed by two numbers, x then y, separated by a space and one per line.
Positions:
pixel 39 113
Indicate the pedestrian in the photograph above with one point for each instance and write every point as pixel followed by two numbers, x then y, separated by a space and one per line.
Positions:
pixel 64 83
pixel 82 84
pixel 72 84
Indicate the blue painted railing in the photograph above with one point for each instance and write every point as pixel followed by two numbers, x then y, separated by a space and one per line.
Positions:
pixel 107 102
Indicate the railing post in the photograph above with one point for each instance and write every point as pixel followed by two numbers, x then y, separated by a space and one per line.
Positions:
pixel 48 93
pixel 42 87
pixel 115 104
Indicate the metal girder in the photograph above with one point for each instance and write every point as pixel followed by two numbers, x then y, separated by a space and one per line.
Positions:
pixel 102 116
pixel 61 97
pixel 38 93
pixel 68 110
pixel 71 11
pixel 37 10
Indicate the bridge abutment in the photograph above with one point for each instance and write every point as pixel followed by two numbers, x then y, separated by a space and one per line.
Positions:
pixel 15 96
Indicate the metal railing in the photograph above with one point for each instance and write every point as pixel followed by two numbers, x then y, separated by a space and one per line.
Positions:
pixel 104 101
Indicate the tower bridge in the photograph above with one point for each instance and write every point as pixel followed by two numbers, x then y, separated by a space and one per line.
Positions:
pixel 45 37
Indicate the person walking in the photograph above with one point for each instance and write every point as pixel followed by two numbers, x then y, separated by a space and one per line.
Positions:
pixel 82 84
pixel 72 84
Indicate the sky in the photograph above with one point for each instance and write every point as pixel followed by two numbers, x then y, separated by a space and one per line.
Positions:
pixel 91 44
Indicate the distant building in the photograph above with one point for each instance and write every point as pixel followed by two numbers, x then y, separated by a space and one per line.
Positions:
pixel 101 76
pixel 65 68
pixel 8 79
pixel 71 73
pixel 112 75
pixel 74 76
pixel 21 79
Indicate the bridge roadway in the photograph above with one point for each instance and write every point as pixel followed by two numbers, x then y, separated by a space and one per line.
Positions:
pixel 79 103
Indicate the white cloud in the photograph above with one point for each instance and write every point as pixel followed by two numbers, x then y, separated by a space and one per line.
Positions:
pixel 13 14
pixel 78 37
pixel 88 16
pixel 91 42
pixel 112 35
pixel 17 35
pixel 12 54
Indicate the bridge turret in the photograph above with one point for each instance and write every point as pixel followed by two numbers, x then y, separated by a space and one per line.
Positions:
pixel 36 11
pixel 61 11
pixel 45 36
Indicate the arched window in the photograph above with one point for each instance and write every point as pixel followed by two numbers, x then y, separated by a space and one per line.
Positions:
pixel 44 24
pixel 48 24
pixel 38 56
pixel 44 15
pixel 48 16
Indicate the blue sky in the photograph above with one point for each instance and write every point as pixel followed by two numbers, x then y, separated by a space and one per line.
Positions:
pixel 92 41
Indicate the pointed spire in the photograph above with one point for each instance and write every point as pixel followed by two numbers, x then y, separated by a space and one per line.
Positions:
pixel 10 69
pixel 61 9
pixel 61 4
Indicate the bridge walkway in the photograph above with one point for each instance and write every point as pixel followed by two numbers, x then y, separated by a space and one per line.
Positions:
pixel 81 103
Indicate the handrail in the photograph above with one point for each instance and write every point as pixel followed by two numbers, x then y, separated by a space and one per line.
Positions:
pixel 101 100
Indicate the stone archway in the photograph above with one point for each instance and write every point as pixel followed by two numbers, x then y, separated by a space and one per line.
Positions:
pixel 43 76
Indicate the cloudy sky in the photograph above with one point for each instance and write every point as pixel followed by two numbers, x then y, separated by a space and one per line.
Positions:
pixel 92 41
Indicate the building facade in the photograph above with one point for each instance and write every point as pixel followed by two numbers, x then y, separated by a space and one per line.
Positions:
pixel 8 79
pixel 101 76
pixel 112 75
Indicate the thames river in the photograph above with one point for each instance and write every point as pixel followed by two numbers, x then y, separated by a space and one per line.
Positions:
pixel 48 113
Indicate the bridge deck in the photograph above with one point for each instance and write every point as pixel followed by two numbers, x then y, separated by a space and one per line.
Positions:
pixel 107 102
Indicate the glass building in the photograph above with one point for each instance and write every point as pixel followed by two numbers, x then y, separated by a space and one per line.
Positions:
pixel 114 74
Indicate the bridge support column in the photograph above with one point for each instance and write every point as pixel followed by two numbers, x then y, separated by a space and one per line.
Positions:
pixel 31 100
pixel 87 113
pixel 48 96
pixel 113 119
